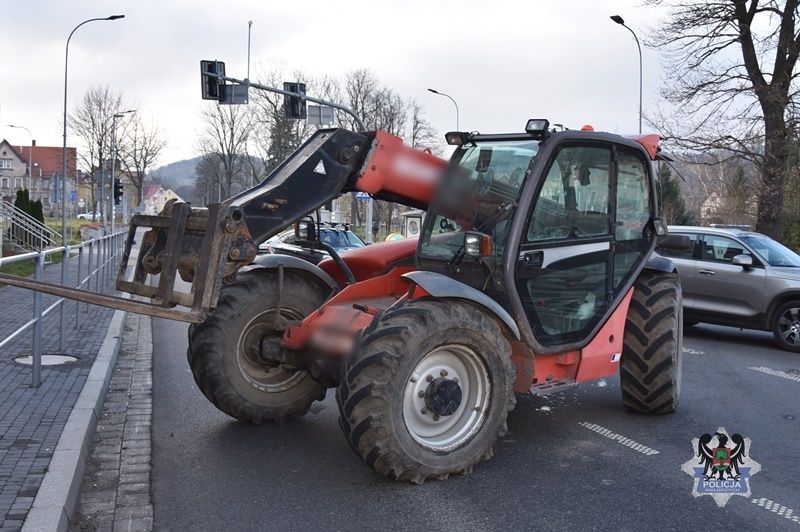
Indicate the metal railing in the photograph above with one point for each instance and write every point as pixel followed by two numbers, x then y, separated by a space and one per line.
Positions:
pixel 97 261
pixel 24 230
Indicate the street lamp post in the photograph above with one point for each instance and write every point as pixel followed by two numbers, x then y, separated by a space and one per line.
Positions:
pixel 114 159
pixel 64 151
pixel 619 20
pixel 451 99
pixel 30 156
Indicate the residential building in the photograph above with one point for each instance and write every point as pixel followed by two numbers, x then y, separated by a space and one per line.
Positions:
pixel 45 176
pixel 156 197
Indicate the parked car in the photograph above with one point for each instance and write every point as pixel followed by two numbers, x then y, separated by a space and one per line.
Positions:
pixel 89 216
pixel 739 278
pixel 338 237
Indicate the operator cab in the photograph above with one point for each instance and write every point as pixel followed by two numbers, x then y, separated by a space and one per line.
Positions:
pixel 552 225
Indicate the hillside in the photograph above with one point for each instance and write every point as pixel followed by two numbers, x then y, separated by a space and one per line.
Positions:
pixel 180 174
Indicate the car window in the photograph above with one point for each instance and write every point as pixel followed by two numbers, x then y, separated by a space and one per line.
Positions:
pixel 288 237
pixel 679 253
pixel 721 249
pixel 774 253
pixel 353 240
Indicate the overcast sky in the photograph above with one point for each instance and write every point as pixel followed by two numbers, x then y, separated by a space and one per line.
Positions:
pixel 503 61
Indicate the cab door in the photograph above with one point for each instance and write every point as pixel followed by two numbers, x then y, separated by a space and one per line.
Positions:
pixel 585 236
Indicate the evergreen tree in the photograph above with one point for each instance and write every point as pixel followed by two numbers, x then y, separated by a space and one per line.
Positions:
pixel 673 207
pixel 37 211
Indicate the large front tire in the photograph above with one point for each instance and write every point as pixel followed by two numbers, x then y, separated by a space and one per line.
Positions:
pixel 652 353
pixel 427 391
pixel 221 349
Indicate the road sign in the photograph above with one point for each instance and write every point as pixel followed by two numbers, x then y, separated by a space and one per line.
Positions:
pixel 363 196
pixel 72 196
pixel 209 80
pixel 319 115
pixel 234 94
pixel 294 107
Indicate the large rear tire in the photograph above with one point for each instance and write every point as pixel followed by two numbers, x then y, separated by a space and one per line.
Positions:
pixel 427 391
pixel 652 353
pixel 221 349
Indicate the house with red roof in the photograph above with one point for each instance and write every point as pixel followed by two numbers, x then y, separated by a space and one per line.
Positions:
pixel 39 169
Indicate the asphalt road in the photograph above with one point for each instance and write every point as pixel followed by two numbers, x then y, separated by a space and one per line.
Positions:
pixel 550 472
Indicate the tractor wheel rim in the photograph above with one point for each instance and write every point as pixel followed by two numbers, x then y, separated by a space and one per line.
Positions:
pixel 264 378
pixel 461 373
pixel 789 326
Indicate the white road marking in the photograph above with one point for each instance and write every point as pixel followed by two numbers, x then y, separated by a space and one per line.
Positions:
pixel 690 351
pixel 778 509
pixel 627 442
pixel 777 373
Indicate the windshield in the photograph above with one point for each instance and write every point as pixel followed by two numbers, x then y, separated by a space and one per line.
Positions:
pixel 478 194
pixel 353 240
pixel 772 252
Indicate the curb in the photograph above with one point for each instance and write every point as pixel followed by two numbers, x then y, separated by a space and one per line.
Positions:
pixel 57 497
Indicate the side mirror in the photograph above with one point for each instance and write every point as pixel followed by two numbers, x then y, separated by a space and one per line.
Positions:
pixel 745 261
pixel 660 226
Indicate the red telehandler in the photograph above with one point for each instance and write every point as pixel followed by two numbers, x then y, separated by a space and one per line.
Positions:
pixel 534 271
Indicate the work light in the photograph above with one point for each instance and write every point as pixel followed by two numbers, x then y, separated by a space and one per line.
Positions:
pixel 537 127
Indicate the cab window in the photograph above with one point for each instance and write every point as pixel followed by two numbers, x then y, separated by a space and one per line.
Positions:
pixel 573 202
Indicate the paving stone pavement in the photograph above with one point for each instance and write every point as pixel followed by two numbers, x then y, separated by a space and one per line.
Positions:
pixel 115 493
pixel 32 419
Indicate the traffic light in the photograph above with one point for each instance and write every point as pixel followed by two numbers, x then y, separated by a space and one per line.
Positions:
pixel 294 107
pixel 117 191
pixel 210 82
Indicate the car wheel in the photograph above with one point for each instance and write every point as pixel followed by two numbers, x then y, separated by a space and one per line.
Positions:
pixel 786 326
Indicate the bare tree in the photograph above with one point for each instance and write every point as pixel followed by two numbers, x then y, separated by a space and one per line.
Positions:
pixel 91 121
pixel 223 140
pixel 421 135
pixel 736 61
pixel 139 148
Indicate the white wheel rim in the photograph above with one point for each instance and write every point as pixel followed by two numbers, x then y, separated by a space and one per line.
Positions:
pixel 447 432
pixel 261 377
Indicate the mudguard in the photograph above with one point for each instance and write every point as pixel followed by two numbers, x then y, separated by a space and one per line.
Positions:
pixel 439 285
pixel 658 263
pixel 312 272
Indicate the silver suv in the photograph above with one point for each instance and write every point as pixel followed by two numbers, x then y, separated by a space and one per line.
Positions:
pixel 739 278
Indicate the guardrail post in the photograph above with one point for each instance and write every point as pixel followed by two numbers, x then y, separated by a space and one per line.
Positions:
pixel 89 271
pixel 36 363
pixel 97 265
pixel 78 283
pixel 63 306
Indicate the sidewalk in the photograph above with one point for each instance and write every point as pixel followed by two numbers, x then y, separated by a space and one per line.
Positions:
pixel 32 419
pixel 115 493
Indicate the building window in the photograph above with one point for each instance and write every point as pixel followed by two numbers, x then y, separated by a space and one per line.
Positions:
pixel 5 163
pixel 5 182
pixel 18 182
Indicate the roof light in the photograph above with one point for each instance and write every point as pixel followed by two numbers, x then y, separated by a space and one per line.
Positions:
pixel 587 127
pixel 456 138
pixel 537 126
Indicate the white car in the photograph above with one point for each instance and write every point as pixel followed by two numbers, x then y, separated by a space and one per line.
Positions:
pixel 89 216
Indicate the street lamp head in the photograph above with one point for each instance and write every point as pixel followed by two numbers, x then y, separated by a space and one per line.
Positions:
pixel 115 17
pixel 618 19
pixel 433 91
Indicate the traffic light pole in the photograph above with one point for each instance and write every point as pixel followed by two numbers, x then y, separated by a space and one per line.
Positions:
pixel 258 86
